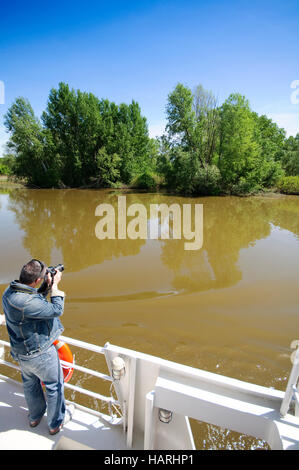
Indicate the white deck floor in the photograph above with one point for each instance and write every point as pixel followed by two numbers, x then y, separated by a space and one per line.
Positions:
pixel 84 428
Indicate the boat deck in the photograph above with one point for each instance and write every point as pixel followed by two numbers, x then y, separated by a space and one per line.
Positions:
pixel 147 387
pixel 84 431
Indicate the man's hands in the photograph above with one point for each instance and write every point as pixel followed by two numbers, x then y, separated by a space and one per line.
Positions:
pixel 56 278
pixel 54 291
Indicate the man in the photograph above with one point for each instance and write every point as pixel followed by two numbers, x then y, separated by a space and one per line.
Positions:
pixel 33 324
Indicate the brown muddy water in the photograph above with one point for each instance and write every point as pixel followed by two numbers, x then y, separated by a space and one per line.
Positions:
pixel 230 307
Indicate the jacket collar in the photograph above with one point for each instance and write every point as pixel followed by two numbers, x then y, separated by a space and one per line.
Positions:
pixel 18 287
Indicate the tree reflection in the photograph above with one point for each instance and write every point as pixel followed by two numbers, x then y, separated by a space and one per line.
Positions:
pixel 64 220
pixel 230 224
pixel 228 227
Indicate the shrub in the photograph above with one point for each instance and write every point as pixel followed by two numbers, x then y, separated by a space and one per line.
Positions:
pixel 207 181
pixel 4 169
pixel 146 180
pixel 289 185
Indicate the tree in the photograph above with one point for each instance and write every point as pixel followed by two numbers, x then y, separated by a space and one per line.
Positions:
pixel 27 143
pixel 181 118
pixel 132 140
pixel 290 158
pixel 193 121
pixel 207 119
pixel 107 168
pixel 238 149
pixel 270 139
pixel 83 140
pixel 7 163
pixel 189 177
pixel 73 119
pixel 88 133
pixel 193 128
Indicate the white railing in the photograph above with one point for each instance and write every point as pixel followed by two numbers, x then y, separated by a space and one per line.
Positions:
pixel 90 347
pixel 292 390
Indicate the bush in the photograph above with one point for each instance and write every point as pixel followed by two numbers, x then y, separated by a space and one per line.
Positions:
pixel 207 181
pixel 289 185
pixel 4 169
pixel 108 168
pixel 146 180
pixel 245 187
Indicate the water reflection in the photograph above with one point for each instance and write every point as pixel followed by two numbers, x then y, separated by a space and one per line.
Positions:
pixel 230 308
pixel 59 226
pixel 65 221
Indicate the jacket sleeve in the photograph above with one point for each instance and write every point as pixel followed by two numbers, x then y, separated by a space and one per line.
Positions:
pixel 38 308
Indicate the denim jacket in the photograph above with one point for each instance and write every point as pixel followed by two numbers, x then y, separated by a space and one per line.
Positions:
pixel 32 322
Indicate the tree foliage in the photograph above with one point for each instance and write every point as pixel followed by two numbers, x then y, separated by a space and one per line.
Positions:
pixel 80 139
pixel 210 149
pixel 289 185
pixel 290 158
pixel 207 149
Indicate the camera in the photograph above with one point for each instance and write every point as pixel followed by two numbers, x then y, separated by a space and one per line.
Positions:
pixel 52 269
pixel 45 287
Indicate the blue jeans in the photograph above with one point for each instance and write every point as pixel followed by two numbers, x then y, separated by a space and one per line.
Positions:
pixel 45 368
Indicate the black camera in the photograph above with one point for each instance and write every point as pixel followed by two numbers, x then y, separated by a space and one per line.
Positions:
pixel 45 287
pixel 52 269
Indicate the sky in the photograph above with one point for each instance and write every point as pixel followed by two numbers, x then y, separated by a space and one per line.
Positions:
pixel 124 50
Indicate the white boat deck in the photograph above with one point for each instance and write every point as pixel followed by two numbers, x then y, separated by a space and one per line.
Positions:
pixel 147 387
pixel 85 429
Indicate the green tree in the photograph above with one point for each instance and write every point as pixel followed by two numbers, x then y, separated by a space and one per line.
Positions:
pixel 193 121
pixel 73 120
pixel 107 168
pixel 181 118
pixel 207 123
pixel 289 185
pixel 7 164
pixel 270 139
pixel 238 147
pixel 132 140
pixel 290 158
pixel 88 132
pixel 193 129
pixel 27 142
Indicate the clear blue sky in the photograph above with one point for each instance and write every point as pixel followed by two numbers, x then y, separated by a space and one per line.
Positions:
pixel 124 50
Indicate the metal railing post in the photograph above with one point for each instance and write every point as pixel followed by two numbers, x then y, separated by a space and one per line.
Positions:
pixel 293 379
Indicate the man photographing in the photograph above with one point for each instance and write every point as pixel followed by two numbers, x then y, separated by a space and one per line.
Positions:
pixel 33 324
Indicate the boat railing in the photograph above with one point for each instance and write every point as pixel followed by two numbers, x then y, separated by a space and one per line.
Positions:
pixel 292 390
pixel 110 400
pixel 154 384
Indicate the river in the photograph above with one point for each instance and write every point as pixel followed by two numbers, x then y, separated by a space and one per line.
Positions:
pixel 230 307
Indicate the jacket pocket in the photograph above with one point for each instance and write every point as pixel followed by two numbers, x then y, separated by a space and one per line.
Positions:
pixel 32 343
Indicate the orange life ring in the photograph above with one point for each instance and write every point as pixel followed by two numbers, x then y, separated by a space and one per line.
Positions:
pixel 65 354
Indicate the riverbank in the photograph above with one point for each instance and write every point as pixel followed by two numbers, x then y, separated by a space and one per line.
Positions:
pixel 8 182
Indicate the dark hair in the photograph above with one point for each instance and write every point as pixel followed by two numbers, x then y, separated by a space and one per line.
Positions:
pixel 31 271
